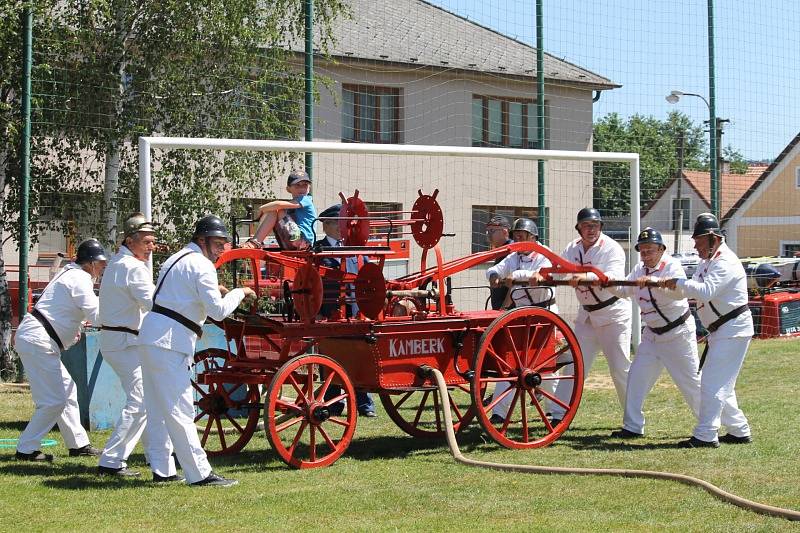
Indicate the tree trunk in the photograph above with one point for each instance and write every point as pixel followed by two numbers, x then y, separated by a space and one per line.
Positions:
pixel 8 369
pixel 110 191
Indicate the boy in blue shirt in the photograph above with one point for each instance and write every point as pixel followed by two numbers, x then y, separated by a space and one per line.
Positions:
pixel 292 220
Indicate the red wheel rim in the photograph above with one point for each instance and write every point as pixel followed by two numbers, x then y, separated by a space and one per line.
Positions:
pixel 226 414
pixel 298 419
pixel 419 413
pixel 524 348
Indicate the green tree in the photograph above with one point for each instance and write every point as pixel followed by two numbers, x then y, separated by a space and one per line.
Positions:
pixel 109 71
pixel 736 159
pixel 655 142
pixel 208 69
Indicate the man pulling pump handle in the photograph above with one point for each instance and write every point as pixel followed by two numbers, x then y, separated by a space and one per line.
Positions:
pixel 719 285
pixel 186 293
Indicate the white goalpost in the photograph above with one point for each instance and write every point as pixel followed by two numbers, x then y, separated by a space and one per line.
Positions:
pixel 148 144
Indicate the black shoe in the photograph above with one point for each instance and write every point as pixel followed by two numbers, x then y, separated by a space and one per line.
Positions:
pixel 85 451
pixel 216 481
pixel 36 456
pixel 368 414
pixel 555 421
pixel 697 443
pixel 733 439
pixel 118 472
pixel 167 479
pixel 625 434
pixel 497 419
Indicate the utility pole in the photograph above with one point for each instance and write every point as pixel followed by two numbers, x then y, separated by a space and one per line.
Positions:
pixel 678 200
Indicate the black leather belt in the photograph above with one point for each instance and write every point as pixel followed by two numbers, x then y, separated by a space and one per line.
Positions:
pixel 48 327
pixel 121 329
pixel 672 325
pixel 177 317
pixel 600 305
pixel 727 317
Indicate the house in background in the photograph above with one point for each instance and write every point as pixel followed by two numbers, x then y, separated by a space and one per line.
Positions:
pixel 408 72
pixel 694 198
pixel 765 220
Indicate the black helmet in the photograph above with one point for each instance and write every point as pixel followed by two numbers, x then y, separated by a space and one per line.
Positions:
pixel 211 226
pixel 706 224
pixel 588 214
pixel 650 235
pixel 90 250
pixel 526 224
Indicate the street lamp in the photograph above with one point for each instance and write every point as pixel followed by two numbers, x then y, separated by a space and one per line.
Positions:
pixel 715 137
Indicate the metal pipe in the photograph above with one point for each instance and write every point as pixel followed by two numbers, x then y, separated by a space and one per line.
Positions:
pixel 632 259
pixel 308 12
pixel 397 149
pixel 712 111
pixel 146 185
pixel 542 216
pixel 25 178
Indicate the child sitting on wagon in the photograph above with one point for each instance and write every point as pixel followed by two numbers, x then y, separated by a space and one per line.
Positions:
pixel 292 220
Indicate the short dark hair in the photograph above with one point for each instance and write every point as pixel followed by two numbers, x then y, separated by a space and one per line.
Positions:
pixel 499 220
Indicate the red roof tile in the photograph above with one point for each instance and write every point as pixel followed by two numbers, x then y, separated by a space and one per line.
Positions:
pixel 732 186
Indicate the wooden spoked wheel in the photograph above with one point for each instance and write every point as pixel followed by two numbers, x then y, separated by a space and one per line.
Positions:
pixel 521 352
pixel 419 412
pixel 303 426
pixel 226 414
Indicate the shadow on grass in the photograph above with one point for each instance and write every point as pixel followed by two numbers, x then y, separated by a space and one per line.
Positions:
pixel 16 425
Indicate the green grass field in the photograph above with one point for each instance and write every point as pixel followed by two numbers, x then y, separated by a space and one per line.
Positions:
pixel 388 481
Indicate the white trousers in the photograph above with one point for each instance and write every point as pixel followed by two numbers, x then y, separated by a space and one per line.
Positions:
pixel 718 404
pixel 131 424
pixel 55 396
pixel 615 341
pixel 676 351
pixel 168 400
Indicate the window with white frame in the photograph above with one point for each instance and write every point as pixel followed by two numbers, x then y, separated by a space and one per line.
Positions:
pixel 685 206
pixel 797 177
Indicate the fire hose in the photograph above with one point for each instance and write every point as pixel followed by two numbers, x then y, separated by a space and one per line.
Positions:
pixel 733 499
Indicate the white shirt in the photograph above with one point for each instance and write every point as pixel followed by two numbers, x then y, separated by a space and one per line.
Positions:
pixel 66 302
pixel 607 256
pixel 126 294
pixel 191 289
pixel 521 268
pixel 670 303
pixel 721 282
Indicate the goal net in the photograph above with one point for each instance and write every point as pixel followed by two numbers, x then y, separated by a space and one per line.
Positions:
pixel 473 183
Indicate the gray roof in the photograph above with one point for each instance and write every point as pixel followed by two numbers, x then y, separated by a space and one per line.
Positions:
pixel 419 33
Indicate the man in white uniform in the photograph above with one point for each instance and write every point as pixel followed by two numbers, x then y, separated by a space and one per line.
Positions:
pixel 126 294
pixel 53 325
pixel 515 271
pixel 667 341
pixel 604 320
pixel 719 285
pixel 186 293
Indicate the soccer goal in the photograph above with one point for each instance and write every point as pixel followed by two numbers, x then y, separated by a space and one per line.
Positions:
pixel 474 183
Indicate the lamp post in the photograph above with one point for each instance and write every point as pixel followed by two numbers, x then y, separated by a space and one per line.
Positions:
pixel 715 138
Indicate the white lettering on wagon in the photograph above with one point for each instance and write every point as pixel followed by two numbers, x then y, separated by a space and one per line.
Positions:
pixel 398 347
